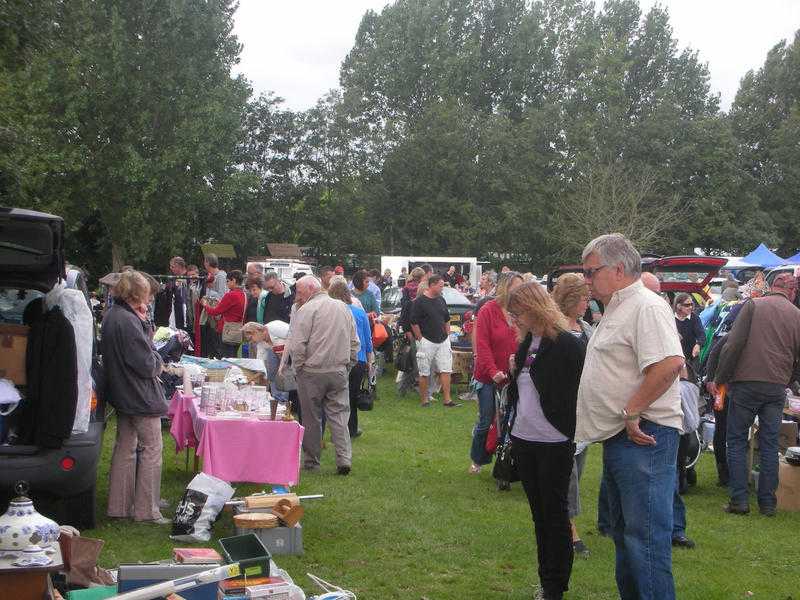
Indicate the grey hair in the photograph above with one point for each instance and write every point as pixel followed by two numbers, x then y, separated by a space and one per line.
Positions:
pixel 492 275
pixel 613 249
pixel 270 275
pixel 212 260
pixel 258 267
pixel 310 282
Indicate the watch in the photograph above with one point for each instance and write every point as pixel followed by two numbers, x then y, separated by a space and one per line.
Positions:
pixel 627 416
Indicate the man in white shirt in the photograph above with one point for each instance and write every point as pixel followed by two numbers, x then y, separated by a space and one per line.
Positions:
pixel 629 399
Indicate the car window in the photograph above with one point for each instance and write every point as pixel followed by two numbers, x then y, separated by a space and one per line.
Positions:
pixel 455 297
pixel 390 298
pixel 13 302
pixel 23 243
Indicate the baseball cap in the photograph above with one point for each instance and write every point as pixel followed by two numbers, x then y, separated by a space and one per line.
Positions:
pixel 339 269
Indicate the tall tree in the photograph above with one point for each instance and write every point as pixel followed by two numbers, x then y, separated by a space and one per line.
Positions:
pixel 766 122
pixel 136 117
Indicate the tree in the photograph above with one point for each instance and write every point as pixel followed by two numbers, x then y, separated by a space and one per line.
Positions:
pixel 766 122
pixel 611 198
pixel 134 118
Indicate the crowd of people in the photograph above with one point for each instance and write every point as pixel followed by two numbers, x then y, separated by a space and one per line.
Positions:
pixel 603 358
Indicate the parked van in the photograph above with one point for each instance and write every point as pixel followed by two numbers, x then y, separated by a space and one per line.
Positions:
pixel 285 268
pixel 468 265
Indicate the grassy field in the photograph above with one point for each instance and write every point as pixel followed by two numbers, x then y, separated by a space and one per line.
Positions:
pixel 410 523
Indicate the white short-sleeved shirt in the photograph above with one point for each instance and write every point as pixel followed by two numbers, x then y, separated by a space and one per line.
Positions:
pixel 637 330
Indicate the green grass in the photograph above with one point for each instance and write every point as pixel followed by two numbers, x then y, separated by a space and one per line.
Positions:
pixel 410 523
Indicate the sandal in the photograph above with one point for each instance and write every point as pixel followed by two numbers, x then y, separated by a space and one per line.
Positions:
pixel 451 404
pixel 425 404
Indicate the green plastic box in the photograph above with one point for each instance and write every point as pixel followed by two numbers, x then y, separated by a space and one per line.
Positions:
pixel 249 551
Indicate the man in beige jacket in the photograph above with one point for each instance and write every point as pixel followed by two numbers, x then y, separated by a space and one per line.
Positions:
pixel 323 345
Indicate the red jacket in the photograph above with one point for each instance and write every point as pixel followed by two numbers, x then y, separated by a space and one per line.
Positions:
pixel 496 340
pixel 231 307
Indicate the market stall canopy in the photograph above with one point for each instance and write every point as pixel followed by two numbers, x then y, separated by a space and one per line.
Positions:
pixel 221 250
pixel 763 257
pixel 793 260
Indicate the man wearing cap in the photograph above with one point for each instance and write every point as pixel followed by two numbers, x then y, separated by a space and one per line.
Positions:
pixel 758 363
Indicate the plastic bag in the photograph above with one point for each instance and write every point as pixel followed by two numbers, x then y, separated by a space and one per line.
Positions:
pixel 73 304
pixel 204 498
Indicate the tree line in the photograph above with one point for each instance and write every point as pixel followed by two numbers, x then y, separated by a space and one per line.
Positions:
pixel 460 127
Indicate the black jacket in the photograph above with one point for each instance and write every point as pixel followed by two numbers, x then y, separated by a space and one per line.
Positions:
pixel 131 364
pixel 556 373
pixel 51 370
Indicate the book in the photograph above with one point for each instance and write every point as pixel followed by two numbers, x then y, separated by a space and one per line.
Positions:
pixel 191 556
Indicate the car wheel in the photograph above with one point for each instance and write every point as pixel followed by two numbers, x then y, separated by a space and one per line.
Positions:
pixel 81 509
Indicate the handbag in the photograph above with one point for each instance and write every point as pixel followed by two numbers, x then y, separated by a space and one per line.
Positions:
pixel 505 467
pixel 368 392
pixel 491 439
pixel 232 330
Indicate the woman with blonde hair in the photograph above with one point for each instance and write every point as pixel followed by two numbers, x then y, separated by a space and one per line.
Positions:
pixel 339 290
pixel 132 367
pixel 495 340
pixel 571 293
pixel 543 394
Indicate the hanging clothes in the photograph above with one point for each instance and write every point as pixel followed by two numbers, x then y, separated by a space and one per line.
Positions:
pixel 51 395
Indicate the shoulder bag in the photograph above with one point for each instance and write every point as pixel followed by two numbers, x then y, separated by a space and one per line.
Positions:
pixel 232 330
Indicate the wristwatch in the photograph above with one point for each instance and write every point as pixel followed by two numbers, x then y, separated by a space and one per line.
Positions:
pixel 630 416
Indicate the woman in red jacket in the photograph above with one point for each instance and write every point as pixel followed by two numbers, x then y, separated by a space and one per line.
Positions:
pixel 231 307
pixel 495 341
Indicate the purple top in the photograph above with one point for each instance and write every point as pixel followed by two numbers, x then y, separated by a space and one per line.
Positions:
pixel 531 424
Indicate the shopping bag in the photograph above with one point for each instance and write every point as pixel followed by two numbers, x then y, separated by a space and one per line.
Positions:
pixel 204 498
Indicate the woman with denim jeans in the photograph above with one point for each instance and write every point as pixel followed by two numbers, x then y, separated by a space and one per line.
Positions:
pixel 543 393
pixel 495 341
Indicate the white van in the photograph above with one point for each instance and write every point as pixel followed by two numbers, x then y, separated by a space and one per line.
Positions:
pixel 285 268
pixel 468 265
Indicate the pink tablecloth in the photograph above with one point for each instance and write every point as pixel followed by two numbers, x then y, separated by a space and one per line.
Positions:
pixel 245 450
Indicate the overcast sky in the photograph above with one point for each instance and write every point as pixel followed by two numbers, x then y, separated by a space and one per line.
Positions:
pixel 295 48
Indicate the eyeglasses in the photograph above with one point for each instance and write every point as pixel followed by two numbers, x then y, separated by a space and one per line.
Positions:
pixel 589 273
pixel 687 304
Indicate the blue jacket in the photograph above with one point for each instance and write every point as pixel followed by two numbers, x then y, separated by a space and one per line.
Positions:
pixel 363 331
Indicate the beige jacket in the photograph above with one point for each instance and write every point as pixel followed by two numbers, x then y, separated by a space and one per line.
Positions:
pixel 322 336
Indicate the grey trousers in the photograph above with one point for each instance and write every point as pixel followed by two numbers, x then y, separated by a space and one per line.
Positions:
pixel 134 489
pixel 328 392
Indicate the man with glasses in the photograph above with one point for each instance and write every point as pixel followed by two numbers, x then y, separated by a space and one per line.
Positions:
pixel 758 362
pixel 629 400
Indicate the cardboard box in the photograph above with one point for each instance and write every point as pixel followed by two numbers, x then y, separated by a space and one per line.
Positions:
pixel 788 492
pixel 787 436
pixel 13 346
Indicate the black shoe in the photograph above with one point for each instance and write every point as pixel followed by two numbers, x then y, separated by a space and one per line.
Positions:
pixel 767 511
pixel 580 549
pixel 356 434
pixel 682 542
pixel 343 470
pixel 603 532
pixel 736 509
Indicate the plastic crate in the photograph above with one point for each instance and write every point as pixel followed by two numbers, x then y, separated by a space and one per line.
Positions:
pixel 248 550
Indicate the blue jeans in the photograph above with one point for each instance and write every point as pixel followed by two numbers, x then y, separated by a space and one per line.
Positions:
pixel 746 401
pixel 640 484
pixel 273 361
pixel 478 452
